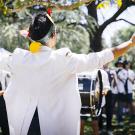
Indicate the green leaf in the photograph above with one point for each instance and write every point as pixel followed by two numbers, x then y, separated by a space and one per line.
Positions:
pixel 119 3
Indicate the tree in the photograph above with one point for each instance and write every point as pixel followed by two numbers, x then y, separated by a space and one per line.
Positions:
pixel 74 28
pixel 71 32
pixel 9 27
pixel 96 41
pixel 14 6
pixel 122 36
pixel 10 6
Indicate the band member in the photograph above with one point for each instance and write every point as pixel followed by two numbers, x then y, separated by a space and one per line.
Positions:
pixel 129 87
pixel 122 77
pixel 45 79
pixel 4 80
pixel 111 98
pixel 89 81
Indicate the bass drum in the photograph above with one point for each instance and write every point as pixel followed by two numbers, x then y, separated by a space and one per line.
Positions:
pixel 91 98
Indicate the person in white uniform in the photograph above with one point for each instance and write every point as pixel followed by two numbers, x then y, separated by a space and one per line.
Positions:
pixel 111 98
pixel 122 77
pixel 90 81
pixel 129 87
pixel 97 124
pixel 46 79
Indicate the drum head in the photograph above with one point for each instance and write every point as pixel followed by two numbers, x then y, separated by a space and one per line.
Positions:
pixel 90 96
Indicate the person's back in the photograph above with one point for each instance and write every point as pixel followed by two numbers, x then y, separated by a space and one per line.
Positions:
pixel 46 85
pixel 46 80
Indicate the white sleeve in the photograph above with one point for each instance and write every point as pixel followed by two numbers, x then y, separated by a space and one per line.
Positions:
pixel 82 62
pixel 5 62
pixel 122 75
pixel 131 75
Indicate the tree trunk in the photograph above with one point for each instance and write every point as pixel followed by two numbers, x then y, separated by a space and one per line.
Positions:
pixel 95 41
pixel 92 11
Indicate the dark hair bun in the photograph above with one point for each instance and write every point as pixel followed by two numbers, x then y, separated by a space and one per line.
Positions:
pixel 40 26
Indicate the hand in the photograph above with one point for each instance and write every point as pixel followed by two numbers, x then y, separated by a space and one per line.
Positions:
pixel 1 92
pixel 23 33
pixel 104 92
pixel 124 47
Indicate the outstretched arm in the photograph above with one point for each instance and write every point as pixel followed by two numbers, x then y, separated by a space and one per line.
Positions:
pixel 123 48
pixel 76 63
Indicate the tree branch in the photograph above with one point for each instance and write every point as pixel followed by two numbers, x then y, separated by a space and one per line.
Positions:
pixel 112 19
pixel 27 13
pixel 96 41
pixel 124 6
pixel 125 21
pixel 74 24
pixel 53 5
pixel 59 21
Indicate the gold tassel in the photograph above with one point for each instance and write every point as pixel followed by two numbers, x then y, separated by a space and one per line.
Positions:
pixel 35 47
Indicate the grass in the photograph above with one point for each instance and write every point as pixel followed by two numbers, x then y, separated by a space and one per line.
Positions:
pixel 127 129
